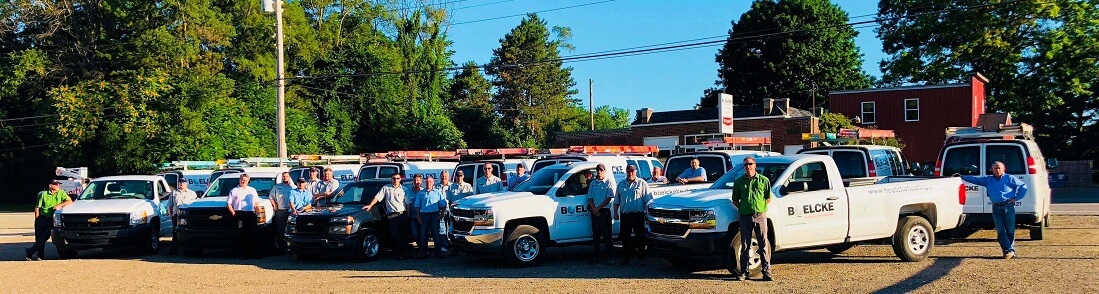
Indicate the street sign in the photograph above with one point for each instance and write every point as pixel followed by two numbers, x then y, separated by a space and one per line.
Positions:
pixel 725 113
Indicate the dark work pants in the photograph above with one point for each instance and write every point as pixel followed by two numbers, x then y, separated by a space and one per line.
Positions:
pixel 398 232
pixel 429 227
pixel 281 216
pixel 175 235
pixel 43 224
pixel 601 232
pixel 754 225
pixel 632 235
pixel 247 236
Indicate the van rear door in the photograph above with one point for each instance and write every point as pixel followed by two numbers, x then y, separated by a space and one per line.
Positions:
pixel 1013 155
pixel 967 160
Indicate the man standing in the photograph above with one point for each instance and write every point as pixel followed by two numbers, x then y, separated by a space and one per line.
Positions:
pixel 1003 191
pixel 417 186
pixel 694 174
pixel 520 176
pixel 300 198
pixel 427 207
pixel 751 195
pixel 182 196
pixel 48 203
pixel 489 182
pixel 393 197
pixel 658 176
pixel 325 188
pixel 314 181
pixel 629 206
pixel 280 200
pixel 242 202
pixel 600 194
pixel 459 189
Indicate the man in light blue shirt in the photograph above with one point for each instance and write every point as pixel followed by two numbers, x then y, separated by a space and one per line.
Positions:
pixel 426 212
pixel 1003 191
pixel 600 194
pixel 519 177
pixel 300 198
pixel 692 175
pixel 629 206
pixel 489 183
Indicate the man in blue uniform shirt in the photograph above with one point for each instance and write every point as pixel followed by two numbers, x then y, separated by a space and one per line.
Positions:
pixel 1003 191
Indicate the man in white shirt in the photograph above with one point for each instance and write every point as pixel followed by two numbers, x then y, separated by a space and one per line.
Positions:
pixel 327 187
pixel 242 203
pixel 180 197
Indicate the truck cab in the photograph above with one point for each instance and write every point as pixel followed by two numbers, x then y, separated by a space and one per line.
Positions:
pixel 207 224
pixel 115 211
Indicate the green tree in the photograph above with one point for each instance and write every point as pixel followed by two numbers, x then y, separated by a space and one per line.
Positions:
pixel 833 122
pixel 815 54
pixel 609 118
pixel 471 108
pixel 533 89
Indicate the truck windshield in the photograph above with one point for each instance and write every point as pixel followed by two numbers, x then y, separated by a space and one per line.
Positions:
pixel 222 186
pixel 357 193
pixel 769 170
pixel 133 189
pixel 542 180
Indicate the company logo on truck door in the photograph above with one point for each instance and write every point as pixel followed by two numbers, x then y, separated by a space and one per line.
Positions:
pixel 577 209
pixel 817 209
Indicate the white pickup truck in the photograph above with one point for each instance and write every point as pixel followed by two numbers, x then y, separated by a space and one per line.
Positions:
pixel 813 207
pixel 549 209
pixel 115 211
pixel 207 224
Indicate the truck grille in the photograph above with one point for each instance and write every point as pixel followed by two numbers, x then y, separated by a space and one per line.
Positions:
pixel 466 213
pixel 311 225
pixel 462 226
pixel 210 218
pixel 668 229
pixel 95 221
pixel 668 213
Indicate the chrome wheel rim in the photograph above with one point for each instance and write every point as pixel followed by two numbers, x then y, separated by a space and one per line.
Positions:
pixel 754 259
pixel 370 245
pixel 526 248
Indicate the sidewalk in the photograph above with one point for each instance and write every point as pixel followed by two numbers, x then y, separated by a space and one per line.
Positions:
pixel 16 224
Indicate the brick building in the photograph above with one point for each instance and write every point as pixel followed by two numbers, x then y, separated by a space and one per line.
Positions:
pixel 773 119
pixel 918 115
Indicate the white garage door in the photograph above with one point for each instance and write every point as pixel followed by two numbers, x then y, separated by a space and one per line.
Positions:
pixel 665 143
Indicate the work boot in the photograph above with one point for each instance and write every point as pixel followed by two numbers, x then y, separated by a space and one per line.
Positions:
pixel 767 278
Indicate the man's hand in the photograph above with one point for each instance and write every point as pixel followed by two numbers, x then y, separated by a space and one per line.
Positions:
pixel 595 212
pixel 419 220
pixel 616 216
pixel 368 207
pixel 1012 201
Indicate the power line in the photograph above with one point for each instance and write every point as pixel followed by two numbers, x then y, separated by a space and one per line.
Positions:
pixel 524 14
pixel 479 5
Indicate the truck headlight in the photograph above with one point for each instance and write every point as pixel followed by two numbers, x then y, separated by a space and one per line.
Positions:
pixel 342 220
pixel 261 215
pixel 484 219
pixel 339 230
pixel 56 220
pixel 139 218
pixel 703 219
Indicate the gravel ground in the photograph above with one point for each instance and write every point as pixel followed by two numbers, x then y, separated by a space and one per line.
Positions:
pixel 1067 261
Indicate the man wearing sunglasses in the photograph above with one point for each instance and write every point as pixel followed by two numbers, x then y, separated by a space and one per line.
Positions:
pixel 393 198
pixel 489 182
pixel 751 195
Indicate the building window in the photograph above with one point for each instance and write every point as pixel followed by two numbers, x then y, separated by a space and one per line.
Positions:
pixel 912 109
pixel 868 113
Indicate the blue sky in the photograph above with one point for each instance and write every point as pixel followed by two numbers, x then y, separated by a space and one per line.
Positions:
pixel 662 81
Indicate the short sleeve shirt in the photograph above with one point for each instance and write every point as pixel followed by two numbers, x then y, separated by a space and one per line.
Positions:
pixel 632 197
pixel 489 185
pixel 600 190
pixel 243 198
pixel 393 197
pixel 47 200
pixel 694 173
pixel 751 195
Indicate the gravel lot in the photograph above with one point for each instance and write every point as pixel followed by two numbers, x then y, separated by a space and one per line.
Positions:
pixel 1067 261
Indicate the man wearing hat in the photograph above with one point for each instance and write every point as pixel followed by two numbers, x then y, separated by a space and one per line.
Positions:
pixel 519 177
pixel 182 196
pixel 600 194
pixel 48 203
pixel 300 198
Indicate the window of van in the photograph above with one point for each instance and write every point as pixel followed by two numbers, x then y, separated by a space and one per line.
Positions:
pixel 882 162
pixel 900 167
pixel 852 164
pixel 300 173
pixel 644 171
pixel 962 160
pixel 1011 155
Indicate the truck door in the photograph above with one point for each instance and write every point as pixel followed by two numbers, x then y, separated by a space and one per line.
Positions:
pixel 573 221
pixel 967 160
pixel 814 212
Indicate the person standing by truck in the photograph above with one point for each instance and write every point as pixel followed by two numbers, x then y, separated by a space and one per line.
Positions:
pixel 427 207
pixel 180 197
pixel 280 200
pixel 600 195
pixel 489 183
pixel 326 188
pixel 242 203
pixel 751 195
pixel 658 176
pixel 410 203
pixel 629 206
pixel 694 174
pixel 393 198
pixel 520 176
pixel 48 203
pixel 1004 191
pixel 300 198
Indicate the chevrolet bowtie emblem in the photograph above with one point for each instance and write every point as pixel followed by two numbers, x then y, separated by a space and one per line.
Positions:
pixel 215 217
pixel 93 220
pixel 309 224
pixel 662 221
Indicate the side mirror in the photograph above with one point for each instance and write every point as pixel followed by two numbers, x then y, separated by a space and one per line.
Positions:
pixel 782 191
pixel 1051 163
pixel 200 194
pixel 561 192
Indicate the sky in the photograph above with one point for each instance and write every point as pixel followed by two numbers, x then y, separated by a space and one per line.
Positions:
pixel 662 81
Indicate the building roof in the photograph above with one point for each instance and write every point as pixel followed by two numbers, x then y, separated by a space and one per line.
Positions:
pixel 901 88
pixel 739 111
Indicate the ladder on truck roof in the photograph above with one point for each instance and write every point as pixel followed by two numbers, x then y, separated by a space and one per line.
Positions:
pixel 727 143
pixel 424 155
pixel 505 153
pixel 1003 131
pixel 189 165
pixel 310 159
pixel 613 150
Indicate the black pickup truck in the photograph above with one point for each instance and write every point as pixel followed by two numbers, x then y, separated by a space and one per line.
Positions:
pixel 342 227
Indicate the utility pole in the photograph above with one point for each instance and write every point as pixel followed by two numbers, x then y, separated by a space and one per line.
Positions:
pixel 591 105
pixel 276 7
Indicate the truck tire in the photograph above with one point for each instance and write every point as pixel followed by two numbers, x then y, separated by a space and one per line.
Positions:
pixel 525 246
pixel 66 254
pixel 152 242
pixel 913 239
pixel 1038 231
pixel 755 262
pixel 369 246
pixel 837 249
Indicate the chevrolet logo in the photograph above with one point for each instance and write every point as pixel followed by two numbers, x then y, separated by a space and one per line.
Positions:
pixel 93 220
pixel 662 221
pixel 309 224
pixel 215 217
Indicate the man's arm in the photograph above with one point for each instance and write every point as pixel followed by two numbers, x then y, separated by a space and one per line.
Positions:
pixel 979 181
pixel 229 203
pixel 736 196
pixel 381 193
pixel 274 197
pixel 38 206
pixel 767 193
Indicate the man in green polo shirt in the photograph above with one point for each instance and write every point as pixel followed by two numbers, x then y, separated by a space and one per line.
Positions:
pixel 751 194
pixel 48 203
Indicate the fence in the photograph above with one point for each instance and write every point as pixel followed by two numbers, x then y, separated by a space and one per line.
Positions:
pixel 1071 174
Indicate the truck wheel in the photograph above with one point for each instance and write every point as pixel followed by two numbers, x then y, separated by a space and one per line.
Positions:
pixel 152 242
pixel 837 249
pixel 369 246
pixel 66 254
pixel 192 252
pixel 1037 231
pixel 304 256
pixel 913 239
pixel 755 262
pixel 525 246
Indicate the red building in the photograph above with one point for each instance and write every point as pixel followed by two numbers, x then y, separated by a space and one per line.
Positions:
pixel 918 115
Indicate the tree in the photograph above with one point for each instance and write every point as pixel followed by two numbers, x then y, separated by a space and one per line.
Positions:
pixel 1039 56
pixel 533 88
pixel 814 54
pixel 471 108
pixel 833 122
pixel 609 118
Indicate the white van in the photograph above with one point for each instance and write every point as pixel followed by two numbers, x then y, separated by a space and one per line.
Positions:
pixel 382 170
pixel 344 173
pixel 974 157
